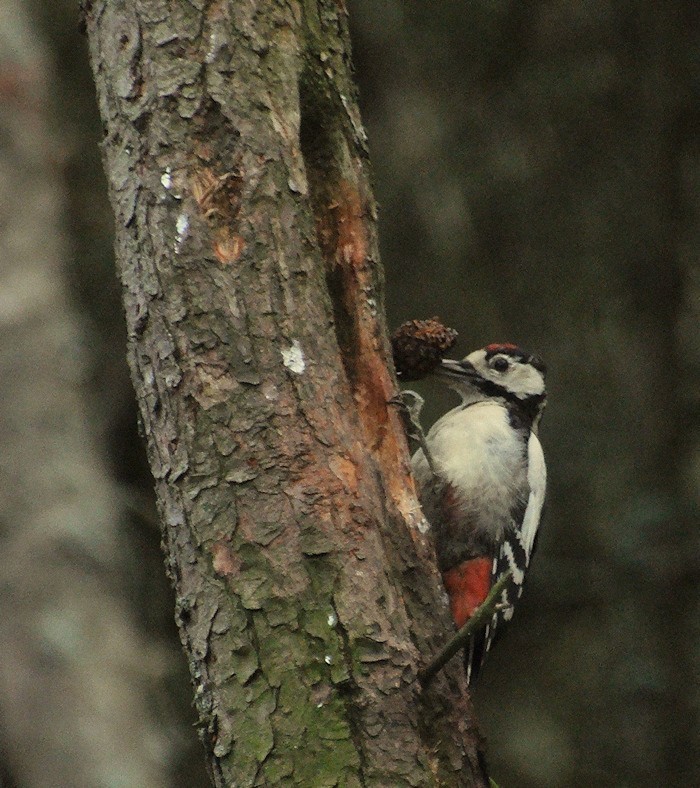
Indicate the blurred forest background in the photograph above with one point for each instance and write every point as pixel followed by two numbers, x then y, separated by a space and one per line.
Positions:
pixel 538 171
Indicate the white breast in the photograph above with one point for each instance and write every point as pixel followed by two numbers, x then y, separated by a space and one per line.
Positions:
pixel 477 451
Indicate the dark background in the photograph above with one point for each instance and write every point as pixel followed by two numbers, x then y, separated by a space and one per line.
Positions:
pixel 538 171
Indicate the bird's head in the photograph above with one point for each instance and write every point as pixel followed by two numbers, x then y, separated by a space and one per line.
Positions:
pixel 498 370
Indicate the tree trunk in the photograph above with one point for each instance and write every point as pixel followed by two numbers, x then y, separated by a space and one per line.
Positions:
pixel 307 593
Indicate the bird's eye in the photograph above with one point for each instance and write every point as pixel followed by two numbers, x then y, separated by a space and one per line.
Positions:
pixel 500 364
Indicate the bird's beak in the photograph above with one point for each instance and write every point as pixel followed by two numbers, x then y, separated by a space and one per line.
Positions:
pixel 450 369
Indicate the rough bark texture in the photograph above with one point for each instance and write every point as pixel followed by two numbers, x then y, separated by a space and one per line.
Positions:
pixel 307 591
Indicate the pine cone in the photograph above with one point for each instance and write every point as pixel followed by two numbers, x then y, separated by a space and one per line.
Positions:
pixel 419 345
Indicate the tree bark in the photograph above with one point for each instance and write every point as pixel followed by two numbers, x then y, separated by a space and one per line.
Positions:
pixel 307 592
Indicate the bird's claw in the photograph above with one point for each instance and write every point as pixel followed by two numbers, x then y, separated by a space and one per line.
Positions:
pixel 411 404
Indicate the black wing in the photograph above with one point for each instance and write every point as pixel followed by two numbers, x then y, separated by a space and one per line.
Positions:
pixel 511 556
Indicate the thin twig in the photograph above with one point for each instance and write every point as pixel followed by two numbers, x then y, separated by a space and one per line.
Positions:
pixel 479 618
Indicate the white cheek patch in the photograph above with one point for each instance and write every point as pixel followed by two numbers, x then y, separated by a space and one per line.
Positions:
pixel 525 380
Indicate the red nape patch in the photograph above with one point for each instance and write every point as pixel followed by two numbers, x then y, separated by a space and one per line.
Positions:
pixel 498 347
pixel 467 585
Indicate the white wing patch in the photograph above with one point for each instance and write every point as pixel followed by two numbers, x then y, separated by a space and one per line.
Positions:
pixel 518 572
pixel 537 480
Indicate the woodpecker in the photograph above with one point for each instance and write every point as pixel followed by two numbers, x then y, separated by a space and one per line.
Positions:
pixel 484 494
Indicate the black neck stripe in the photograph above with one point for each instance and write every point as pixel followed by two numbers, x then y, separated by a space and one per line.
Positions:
pixel 527 407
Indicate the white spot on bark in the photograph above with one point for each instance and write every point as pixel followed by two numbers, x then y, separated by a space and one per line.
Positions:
pixel 423 526
pixel 166 178
pixel 215 44
pixel 416 519
pixel 293 358
pixel 270 391
pixel 182 226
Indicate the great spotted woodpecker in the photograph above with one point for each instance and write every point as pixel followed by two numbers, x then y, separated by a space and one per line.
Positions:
pixel 484 494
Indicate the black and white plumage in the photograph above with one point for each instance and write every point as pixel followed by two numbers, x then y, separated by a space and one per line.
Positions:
pixel 484 501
